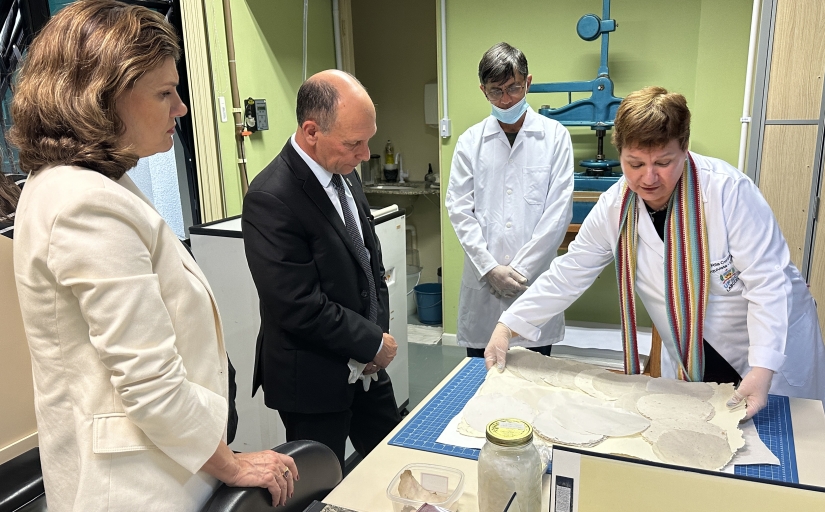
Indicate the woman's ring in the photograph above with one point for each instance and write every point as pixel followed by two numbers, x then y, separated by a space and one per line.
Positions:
pixel 286 473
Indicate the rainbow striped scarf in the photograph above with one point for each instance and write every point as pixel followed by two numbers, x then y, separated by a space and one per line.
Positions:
pixel 686 274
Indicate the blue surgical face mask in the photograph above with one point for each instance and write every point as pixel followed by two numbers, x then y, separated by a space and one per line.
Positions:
pixel 512 114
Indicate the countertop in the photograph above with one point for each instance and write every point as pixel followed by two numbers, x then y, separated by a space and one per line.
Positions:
pixel 365 487
pixel 409 188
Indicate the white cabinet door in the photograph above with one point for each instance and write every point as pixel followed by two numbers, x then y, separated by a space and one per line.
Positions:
pixel 392 234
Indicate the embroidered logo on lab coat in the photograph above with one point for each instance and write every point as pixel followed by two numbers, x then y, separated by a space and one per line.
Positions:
pixel 724 273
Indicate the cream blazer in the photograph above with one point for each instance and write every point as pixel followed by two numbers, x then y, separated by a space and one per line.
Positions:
pixel 128 357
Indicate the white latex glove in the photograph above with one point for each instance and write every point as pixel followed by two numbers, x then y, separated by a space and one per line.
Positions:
pixel 506 282
pixel 496 352
pixel 753 390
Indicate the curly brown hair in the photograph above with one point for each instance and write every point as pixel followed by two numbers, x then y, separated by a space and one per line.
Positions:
pixel 651 118
pixel 83 60
pixel 9 195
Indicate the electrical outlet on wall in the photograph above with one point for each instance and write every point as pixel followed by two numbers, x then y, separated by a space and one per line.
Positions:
pixel 222 106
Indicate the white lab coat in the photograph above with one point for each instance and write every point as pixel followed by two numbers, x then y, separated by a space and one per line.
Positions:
pixel 759 312
pixel 508 206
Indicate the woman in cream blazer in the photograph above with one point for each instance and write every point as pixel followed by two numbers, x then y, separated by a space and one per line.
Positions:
pixel 128 358
pixel 127 353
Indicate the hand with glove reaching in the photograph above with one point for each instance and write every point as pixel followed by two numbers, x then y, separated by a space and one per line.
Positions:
pixel 505 281
pixel 496 352
pixel 753 390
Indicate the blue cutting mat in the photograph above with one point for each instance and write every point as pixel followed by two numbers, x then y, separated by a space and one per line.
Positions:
pixel 423 429
pixel 773 424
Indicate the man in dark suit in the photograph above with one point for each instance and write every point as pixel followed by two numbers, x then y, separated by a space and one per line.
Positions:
pixel 316 261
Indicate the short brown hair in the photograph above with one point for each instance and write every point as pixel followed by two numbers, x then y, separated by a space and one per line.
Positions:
pixel 83 60
pixel 651 118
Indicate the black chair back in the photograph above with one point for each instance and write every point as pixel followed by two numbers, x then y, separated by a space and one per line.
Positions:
pixel 320 473
pixel 21 483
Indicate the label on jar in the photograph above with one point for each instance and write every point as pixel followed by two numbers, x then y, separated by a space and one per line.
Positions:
pixel 510 431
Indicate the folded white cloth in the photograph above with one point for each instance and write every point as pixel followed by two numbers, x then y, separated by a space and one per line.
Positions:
pixel 356 372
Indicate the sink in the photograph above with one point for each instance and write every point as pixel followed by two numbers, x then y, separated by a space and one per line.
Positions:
pixel 406 188
pixel 390 187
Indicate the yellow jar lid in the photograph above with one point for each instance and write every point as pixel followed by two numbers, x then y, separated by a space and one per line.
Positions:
pixel 509 432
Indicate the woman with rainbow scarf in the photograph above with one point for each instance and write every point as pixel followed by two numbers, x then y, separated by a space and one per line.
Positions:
pixel 695 239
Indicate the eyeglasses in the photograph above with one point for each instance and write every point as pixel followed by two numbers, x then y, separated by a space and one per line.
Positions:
pixel 495 94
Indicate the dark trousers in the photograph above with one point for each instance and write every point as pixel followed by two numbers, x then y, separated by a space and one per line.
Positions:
pixel 372 415
pixel 479 352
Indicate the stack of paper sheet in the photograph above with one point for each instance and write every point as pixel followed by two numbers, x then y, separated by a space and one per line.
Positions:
pixel 581 405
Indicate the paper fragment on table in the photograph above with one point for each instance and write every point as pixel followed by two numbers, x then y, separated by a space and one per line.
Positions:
pixel 694 449
pixel 482 409
pixel 546 426
pixel 754 452
pixel 601 420
pixel 673 407
pixel 551 383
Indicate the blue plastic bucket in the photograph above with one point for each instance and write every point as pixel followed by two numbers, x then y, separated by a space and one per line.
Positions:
pixel 428 300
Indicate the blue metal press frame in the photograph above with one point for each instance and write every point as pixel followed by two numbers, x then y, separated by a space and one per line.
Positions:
pixel 599 110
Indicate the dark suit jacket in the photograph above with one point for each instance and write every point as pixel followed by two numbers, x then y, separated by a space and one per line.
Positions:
pixel 314 295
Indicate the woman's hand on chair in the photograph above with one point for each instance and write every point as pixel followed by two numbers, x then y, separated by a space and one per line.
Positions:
pixel 274 471
pixel 268 469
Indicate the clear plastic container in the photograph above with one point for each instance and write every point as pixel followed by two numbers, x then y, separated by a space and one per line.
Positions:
pixel 455 487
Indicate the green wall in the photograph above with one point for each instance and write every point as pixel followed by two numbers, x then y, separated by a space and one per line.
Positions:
pixel 268 51
pixel 395 49
pixel 695 47
pixel 395 55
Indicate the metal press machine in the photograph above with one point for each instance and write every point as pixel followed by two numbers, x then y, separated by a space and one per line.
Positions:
pixel 599 110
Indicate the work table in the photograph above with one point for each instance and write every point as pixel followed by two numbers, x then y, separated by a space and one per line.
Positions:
pixel 364 489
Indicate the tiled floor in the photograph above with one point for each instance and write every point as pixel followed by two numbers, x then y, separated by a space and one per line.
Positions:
pixel 429 364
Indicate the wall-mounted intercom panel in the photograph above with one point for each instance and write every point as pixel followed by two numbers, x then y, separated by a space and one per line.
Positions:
pixel 255 116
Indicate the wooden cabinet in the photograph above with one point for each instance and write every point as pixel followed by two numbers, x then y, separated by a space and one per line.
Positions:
pixel 786 145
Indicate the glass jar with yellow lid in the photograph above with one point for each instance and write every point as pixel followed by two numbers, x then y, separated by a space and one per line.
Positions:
pixel 509 463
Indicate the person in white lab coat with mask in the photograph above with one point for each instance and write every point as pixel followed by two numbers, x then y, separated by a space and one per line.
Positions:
pixel 696 240
pixel 510 200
